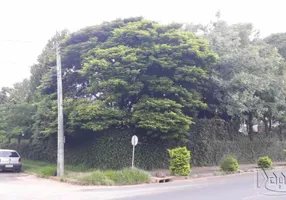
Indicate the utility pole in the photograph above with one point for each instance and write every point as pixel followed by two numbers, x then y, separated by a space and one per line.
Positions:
pixel 60 162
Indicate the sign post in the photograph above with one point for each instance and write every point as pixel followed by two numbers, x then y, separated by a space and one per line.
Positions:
pixel 134 142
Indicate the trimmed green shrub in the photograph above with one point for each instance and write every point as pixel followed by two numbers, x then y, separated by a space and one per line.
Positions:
pixel 264 162
pixel 180 159
pixel 229 164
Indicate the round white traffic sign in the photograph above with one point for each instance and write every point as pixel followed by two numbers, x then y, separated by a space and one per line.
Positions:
pixel 134 140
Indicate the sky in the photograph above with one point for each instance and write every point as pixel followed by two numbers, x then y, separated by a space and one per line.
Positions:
pixel 26 26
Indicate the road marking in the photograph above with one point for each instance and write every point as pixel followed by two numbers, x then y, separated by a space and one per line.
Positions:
pixel 261 195
pixel 252 197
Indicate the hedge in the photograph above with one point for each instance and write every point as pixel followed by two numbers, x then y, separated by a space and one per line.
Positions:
pixel 106 151
pixel 210 141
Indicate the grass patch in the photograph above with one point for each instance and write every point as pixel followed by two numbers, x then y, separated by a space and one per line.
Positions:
pixel 27 168
pixel 40 171
pixel 89 176
pixel 95 178
pixel 46 171
pixel 28 164
pixel 35 163
pixel 126 176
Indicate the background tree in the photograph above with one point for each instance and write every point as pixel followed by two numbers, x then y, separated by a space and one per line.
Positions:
pixel 278 40
pixel 247 74
pixel 16 112
pixel 143 66
pixel 132 73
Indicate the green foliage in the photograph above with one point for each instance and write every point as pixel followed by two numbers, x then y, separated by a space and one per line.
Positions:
pixel 27 168
pixel 130 73
pixel 45 117
pixel 154 80
pixel 77 168
pixel 145 64
pixel 229 164
pixel 264 162
pixel 16 120
pixel 248 78
pixel 21 92
pixel 180 159
pixel 210 141
pixel 95 116
pixel 96 178
pixel 3 96
pixel 46 171
pixel 162 117
pixel 104 151
pixel 125 176
pixel 128 176
pixel 35 164
pixel 278 40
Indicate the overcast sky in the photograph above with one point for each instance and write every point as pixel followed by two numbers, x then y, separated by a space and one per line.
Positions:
pixel 26 25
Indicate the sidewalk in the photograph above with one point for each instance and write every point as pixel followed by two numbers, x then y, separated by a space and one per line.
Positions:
pixel 215 170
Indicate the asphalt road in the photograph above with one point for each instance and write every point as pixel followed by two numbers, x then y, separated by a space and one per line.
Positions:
pixel 21 186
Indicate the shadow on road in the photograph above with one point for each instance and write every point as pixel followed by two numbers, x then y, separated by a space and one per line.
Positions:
pixel 10 174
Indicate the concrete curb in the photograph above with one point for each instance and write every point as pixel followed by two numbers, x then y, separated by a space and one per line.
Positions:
pixel 55 178
pixel 215 174
pixel 157 180
pixel 220 173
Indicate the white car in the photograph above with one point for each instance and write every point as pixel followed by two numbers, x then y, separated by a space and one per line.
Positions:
pixel 10 160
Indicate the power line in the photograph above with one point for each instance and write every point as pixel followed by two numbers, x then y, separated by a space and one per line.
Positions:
pixel 17 41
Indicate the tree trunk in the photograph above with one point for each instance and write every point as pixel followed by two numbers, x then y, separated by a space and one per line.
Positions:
pixel 19 139
pixel 266 129
pixel 280 132
pixel 250 126
pixel 270 123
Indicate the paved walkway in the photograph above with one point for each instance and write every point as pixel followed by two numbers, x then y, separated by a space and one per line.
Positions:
pixel 213 170
pixel 20 186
